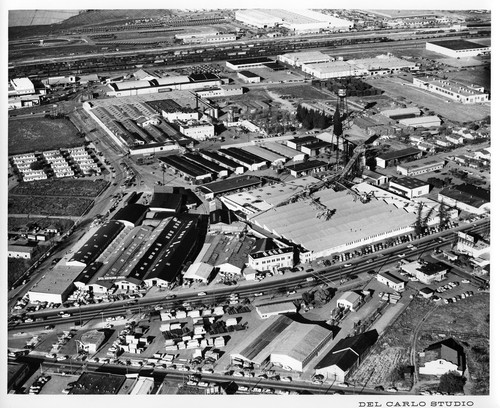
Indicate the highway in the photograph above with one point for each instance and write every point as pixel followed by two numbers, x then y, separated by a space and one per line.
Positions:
pixel 328 275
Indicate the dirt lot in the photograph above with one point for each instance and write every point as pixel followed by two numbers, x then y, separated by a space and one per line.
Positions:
pixel 40 133
pixel 457 112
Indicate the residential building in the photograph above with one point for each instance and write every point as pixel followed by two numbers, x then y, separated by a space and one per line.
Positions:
pixel 442 357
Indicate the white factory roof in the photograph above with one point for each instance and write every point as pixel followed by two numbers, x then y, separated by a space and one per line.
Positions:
pixel 268 196
pixel 299 340
pixel 352 220
pixel 199 270
pixel 281 307
pixel 171 80
pixel 335 66
pixel 22 83
pixel 401 111
pixel 282 149
pixel 263 153
pixel 421 120
pixel 307 56
pixel 125 85
pixel 380 62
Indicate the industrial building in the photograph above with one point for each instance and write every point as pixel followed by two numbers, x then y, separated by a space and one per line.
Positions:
pixel 223 161
pixel 131 215
pixel 306 168
pixel 421 121
pixel 188 169
pixel 402 113
pixel 349 300
pixel 55 286
pixel 422 166
pixel 266 197
pixel 466 197
pixel 249 160
pixel 409 187
pixel 452 90
pixel 273 158
pixel 199 272
pixel 346 356
pixel 372 177
pixel 426 272
pixel 392 281
pixel 285 151
pixel 267 310
pixel 380 65
pixel 20 251
pixel 228 253
pixel 271 259
pixel 217 188
pixel 96 244
pixel 249 77
pixel 297 59
pixel 392 158
pixel 298 21
pixel 331 222
pixel 458 48
pixel 91 341
pixel 248 63
pixel 162 262
pixel 20 86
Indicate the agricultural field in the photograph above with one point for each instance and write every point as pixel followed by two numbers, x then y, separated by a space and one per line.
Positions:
pixel 61 187
pixel 54 206
pixel 40 133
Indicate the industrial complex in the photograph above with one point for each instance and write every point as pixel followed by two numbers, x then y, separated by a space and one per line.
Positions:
pixel 250 201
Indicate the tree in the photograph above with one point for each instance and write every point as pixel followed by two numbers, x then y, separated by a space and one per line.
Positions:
pixel 37 165
pixel 452 383
pixel 308 297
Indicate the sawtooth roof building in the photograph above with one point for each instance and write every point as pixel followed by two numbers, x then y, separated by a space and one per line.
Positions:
pixel 97 244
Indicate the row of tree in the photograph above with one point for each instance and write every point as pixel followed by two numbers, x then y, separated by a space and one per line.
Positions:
pixel 311 119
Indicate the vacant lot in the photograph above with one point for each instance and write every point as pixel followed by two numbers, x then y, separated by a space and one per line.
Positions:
pixel 40 133
pixel 467 321
pixel 16 268
pixel 61 187
pixel 36 205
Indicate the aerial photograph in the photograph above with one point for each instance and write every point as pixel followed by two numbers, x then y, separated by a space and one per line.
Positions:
pixel 248 202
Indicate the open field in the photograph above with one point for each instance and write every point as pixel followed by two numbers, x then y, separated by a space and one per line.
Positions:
pixel 61 187
pixel 40 133
pixel 67 206
pixel 302 92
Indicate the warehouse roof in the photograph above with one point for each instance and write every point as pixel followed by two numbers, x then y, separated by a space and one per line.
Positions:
pixel 352 220
pixel 300 141
pixel 307 56
pixel 458 44
pixel 254 347
pixel 249 74
pixel 264 153
pixel 227 249
pixel 93 337
pixel 201 77
pixel 350 296
pixel 391 277
pixel 58 280
pixel 185 166
pixel 230 184
pixel 197 159
pixel 166 201
pixel 307 165
pixel 199 270
pixel 97 243
pixel 345 353
pixel 171 80
pixel 224 216
pixel 398 154
pixel 422 163
pixel 299 340
pixel 126 85
pixel 420 120
pixel 469 194
pixel 409 182
pixel 242 155
pixel 88 273
pixel 401 111
pixel 132 213
pixel 220 159
pixel 279 307
pixel 282 149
